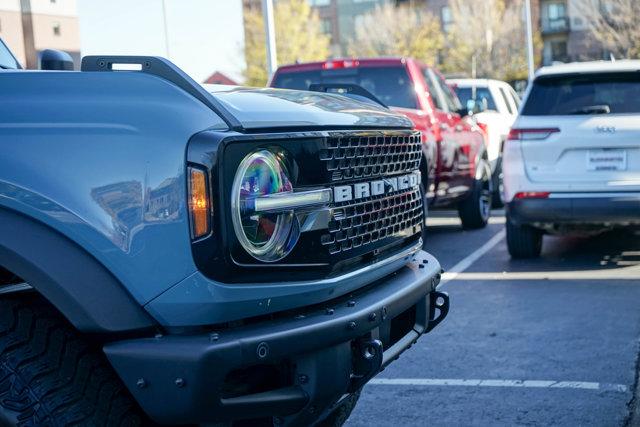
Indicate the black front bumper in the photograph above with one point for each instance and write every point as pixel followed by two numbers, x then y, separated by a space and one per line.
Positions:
pixel 295 366
pixel 618 208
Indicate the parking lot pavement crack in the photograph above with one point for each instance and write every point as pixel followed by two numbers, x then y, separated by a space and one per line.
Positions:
pixel 633 415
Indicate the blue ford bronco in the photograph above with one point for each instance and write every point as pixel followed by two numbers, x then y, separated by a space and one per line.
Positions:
pixel 178 254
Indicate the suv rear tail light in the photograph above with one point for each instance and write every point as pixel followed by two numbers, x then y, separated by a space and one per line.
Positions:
pixel 532 195
pixel 342 63
pixel 532 134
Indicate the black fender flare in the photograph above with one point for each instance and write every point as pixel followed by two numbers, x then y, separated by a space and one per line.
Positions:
pixel 71 279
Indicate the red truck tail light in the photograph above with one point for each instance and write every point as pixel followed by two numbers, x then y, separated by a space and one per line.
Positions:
pixel 532 195
pixel 531 134
pixel 341 63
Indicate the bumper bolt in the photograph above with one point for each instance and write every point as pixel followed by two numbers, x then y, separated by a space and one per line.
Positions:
pixel 214 336
pixel 180 382
pixel 372 317
pixel 277 421
pixel 263 350
pixel 312 409
pixel 384 313
pixel 351 325
pixel 329 311
pixel 303 379
pixel 141 383
pixel 351 303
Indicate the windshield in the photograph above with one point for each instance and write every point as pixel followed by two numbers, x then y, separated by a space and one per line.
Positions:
pixel 597 93
pixel 482 94
pixel 7 61
pixel 391 85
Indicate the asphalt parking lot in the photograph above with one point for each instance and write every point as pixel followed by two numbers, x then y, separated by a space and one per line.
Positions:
pixel 552 341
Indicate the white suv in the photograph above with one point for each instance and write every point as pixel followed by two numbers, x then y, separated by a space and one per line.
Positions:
pixel 500 105
pixel 572 158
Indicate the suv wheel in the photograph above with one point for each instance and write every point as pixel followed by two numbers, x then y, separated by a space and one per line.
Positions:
pixel 523 241
pixel 50 376
pixel 474 211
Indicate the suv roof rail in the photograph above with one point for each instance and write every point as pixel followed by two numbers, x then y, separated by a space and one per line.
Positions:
pixel 164 69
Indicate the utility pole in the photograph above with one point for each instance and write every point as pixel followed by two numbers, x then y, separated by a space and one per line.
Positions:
pixel 269 28
pixel 527 5
pixel 166 31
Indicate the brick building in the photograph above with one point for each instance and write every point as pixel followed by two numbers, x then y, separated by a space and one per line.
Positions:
pixel 30 26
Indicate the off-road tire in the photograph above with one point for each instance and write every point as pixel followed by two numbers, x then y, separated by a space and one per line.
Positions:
pixel 341 413
pixel 50 376
pixel 523 241
pixel 475 210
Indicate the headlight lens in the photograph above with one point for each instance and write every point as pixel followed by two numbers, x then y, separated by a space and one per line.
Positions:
pixel 268 237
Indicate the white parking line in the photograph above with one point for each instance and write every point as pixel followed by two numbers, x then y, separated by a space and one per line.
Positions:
pixel 453 272
pixel 620 388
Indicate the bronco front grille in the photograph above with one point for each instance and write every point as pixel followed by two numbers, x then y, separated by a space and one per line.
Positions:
pixel 356 156
pixel 354 224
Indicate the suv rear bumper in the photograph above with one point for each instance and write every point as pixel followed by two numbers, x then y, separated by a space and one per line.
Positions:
pixel 577 208
pixel 295 366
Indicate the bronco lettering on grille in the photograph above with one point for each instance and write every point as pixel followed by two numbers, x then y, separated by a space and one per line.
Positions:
pixel 345 193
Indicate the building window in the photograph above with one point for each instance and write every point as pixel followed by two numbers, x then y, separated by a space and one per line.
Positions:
pixel 559 51
pixel 446 18
pixel 556 16
pixel 325 26
pixel 56 28
pixel 319 3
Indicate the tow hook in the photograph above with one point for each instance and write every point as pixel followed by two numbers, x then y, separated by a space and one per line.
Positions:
pixel 438 301
pixel 367 363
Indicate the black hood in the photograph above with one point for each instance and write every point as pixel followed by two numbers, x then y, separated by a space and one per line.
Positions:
pixel 262 108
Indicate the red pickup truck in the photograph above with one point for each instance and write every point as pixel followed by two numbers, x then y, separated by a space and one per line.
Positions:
pixel 455 168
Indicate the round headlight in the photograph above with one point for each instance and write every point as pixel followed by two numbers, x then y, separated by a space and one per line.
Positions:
pixel 266 236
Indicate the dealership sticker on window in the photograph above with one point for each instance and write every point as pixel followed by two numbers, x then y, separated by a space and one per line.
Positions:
pixel 607 160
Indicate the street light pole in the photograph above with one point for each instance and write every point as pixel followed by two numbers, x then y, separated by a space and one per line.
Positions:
pixel 529 39
pixel 269 27
pixel 166 31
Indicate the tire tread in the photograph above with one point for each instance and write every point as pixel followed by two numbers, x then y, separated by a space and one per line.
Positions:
pixel 49 375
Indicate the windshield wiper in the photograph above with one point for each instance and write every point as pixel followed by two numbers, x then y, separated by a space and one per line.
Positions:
pixel 592 109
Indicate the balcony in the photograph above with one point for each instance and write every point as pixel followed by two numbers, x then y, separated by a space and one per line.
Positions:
pixel 555 25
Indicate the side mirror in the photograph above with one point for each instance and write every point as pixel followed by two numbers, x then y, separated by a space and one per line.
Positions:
pixel 51 59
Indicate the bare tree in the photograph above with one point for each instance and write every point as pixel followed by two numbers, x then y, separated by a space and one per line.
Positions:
pixel 614 23
pixel 398 31
pixel 492 32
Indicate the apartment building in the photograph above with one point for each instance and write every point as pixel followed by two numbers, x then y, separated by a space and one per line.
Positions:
pixel 30 26
pixel 564 31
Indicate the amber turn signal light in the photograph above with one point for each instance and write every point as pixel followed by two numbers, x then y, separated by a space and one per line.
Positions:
pixel 199 204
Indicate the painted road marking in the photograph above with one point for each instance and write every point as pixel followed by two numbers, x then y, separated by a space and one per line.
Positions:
pixel 454 271
pixel 626 273
pixel 581 385
pixel 453 221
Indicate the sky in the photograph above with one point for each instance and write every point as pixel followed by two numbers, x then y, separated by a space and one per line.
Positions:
pixel 202 36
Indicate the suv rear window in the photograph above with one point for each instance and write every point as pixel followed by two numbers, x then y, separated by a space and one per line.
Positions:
pixel 482 93
pixel 390 85
pixel 574 94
